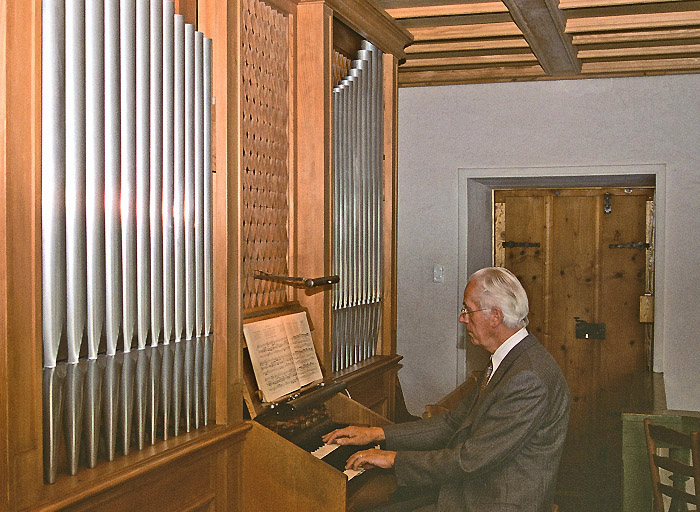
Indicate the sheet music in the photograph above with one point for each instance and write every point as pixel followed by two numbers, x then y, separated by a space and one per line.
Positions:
pixel 272 359
pixel 283 354
pixel 302 347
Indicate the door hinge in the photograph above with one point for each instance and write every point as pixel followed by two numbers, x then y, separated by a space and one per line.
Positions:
pixel 635 245
pixel 511 244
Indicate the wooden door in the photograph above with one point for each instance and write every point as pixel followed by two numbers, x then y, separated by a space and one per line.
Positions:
pixel 582 256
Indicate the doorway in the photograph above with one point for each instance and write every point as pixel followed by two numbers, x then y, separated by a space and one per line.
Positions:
pixel 585 258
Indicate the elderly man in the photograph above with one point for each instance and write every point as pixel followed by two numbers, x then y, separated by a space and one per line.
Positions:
pixel 499 450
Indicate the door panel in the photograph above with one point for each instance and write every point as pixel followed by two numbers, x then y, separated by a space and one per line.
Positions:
pixel 574 274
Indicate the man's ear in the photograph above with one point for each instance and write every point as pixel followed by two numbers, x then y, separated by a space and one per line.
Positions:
pixel 496 317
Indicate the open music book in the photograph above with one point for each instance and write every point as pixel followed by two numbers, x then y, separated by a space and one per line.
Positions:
pixel 282 354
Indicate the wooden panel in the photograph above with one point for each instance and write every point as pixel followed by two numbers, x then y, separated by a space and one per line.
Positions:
pixel 623 281
pixel 313 152
pixel 20 255
pixel 372 383
pixel 281 476
pixel 528 263
pixel 152 478
pixel 386 345
pixel 219 19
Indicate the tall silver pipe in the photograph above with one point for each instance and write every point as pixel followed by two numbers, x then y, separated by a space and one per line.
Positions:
pixel 143 174
pixel 156 168
pixel 198 223
pixel 76 275
pixel 128 214
pixel 53 179
pixel 168 199
pixel 53 219
pixel 75 178
pixel 143 183
pixel 208 229
pixel 95 217
pixel 198 203
pixel 156 209
pixel 112 205
pixel 95 173
pixel 190 296
pixel 128 168
pixel 179 216
pixel 113 234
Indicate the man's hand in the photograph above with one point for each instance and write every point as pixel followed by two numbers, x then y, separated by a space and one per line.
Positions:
pixel 354 436
pixel 372 458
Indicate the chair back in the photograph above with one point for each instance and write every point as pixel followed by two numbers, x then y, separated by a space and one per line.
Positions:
pixel 683 467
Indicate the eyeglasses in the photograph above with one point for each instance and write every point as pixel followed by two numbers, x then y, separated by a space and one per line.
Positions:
pixel 466 311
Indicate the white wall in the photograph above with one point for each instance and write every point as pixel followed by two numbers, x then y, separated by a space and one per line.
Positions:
pixel 622 123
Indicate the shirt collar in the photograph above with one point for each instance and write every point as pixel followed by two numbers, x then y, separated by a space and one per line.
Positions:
pixel 501 352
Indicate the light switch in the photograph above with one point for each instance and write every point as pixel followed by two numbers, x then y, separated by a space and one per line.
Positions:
pixel 438 274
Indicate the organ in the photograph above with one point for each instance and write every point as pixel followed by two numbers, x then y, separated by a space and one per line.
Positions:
pixel 213 467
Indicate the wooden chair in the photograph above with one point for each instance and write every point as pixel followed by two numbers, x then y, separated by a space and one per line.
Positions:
pixel 677 442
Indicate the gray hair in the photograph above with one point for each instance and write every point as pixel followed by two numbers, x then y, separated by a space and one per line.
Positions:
pixel 499 288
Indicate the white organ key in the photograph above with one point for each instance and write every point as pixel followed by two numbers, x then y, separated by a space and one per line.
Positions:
pixel 324 450
pixel 351 473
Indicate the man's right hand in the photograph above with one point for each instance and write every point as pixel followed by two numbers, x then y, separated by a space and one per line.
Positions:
pixel 354 436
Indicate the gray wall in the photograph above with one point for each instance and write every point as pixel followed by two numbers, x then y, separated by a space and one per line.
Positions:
pixel 454 141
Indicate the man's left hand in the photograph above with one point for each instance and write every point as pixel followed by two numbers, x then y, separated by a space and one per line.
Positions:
pixel 372 458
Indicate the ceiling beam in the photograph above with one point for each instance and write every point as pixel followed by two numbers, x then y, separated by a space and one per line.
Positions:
pixel 543 24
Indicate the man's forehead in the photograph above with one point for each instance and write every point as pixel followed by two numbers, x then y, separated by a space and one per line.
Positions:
pixel 470 294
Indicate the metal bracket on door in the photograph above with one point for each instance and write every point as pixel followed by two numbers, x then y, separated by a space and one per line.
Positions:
pixel 511 244
pixel 586 331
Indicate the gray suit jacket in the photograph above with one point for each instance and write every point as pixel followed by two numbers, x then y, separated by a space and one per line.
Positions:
pixel 498 451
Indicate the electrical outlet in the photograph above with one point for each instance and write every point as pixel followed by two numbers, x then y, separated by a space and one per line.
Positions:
pixel 438 274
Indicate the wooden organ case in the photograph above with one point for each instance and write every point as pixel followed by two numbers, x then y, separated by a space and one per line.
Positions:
pixel 230 464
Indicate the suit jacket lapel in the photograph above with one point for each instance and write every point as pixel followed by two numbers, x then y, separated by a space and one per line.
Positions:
pixel 515 352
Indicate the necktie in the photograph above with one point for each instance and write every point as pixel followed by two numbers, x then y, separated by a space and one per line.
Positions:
pixel 487 374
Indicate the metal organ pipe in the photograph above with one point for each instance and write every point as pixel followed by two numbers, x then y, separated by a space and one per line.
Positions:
pixel 357 189
pixel 126 226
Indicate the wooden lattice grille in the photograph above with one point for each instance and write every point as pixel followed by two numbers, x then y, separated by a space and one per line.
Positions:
pixel 265 150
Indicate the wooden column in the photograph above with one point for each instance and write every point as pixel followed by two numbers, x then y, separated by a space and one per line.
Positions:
pixel 21 473
pixel 387 342
pixel 220 20
pixel 312 194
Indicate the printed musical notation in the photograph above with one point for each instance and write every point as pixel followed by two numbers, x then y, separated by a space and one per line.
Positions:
pixel 283 355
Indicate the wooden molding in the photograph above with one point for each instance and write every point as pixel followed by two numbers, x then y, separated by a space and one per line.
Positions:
pixel 640 36
pixel 447 10
pixel 505 28
pixel 467 61
pixel 456 46
pixel 371 22
pixel 633 22
pixel 461 76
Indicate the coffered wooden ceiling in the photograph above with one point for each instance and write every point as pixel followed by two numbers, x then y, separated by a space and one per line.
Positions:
pixel 458 41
